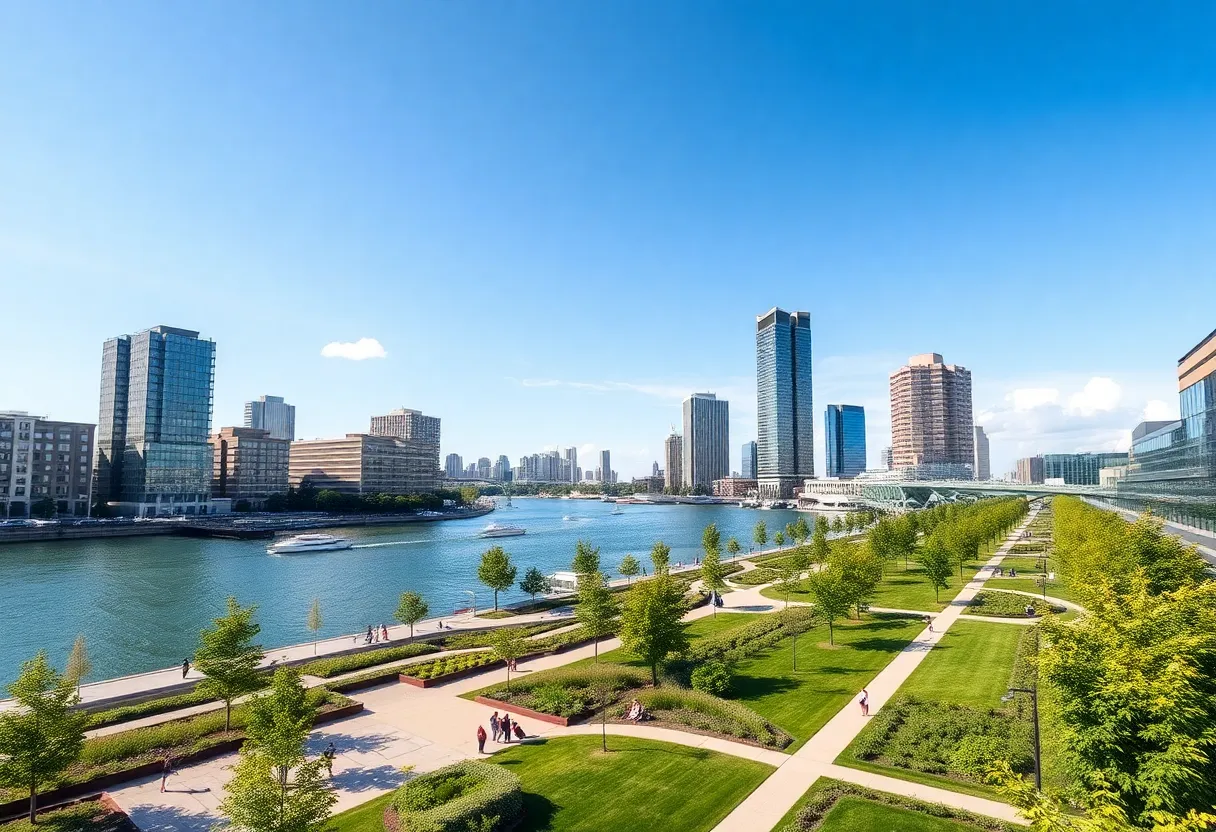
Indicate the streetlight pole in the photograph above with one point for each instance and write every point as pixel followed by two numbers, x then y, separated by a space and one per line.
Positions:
pixel 1034 713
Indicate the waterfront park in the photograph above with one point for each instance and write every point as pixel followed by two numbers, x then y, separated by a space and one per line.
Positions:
pixel 972 666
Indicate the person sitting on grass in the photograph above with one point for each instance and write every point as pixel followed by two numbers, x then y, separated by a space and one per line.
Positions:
pixel 635 710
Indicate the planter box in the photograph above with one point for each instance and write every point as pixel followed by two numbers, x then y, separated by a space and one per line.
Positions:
pixel 91 789
pixel 450 677
pixel 528 712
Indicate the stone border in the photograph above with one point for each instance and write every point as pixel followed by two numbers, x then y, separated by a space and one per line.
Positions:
pixel 522 711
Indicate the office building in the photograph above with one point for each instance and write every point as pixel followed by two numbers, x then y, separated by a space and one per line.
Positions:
pixel 888 458
pixel 42 459
pixel 983 465
pixel 705 451
pixel 605 466
pixel 588 476
pixel 413 427
pixel 502 469
pixel 483 468
pixel 735 487
pixel 648 485
pixel 453 467
pixel 784 410
pixel 749 461
pixel 543 467
pixel 1029 471
pixel 673 461
pixel 249 464
pixel 361 463
pixel 845 439
pixel 572 463
pixel 931 427
pixel 153 432
pixel 271 413
pixel 1080 469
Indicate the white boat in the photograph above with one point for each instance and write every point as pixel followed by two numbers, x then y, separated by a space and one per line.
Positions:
pixel 616 510
pixel 304 543
pixel 496 530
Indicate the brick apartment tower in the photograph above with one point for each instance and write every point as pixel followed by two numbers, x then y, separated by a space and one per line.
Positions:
pixel 931 421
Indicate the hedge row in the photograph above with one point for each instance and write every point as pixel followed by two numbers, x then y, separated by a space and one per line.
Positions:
pixel 337 665
pixel 757 576
pixel 709 713
pixel 484 638
pixel 469 795
pixel 450 664
pixel 569 691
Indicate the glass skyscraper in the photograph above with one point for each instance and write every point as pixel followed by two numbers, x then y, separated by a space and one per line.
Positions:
pixel 749 460
pixel 153 456
pixel 785 415
pixel 845 432
pixel 706 445
pixel 273 414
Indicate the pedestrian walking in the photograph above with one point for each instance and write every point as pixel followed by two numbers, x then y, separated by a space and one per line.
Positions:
pixel 368 639
pixel 494 729
pixel 328 756
pixel 185 667
pixel 383 633
pixel 481 740
pixel 165 771
pixel 505 725
pixel 864 702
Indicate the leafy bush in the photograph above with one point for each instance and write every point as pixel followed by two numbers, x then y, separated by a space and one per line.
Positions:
pixel 151 707
pixel 483 638
pixel 709 713
pixel 713 678
pixel 569 691
pixel 449 664
pixel 1027 548
pixel 760 575
pixel 337 665
pixel 466 795
pixel 1009 605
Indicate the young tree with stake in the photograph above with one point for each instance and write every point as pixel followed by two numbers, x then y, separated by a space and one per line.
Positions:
pixel 760 534
pixel 712 574
pixel 410 610
pixel 660 556
pixel 650 621
pixel 597 609
pixel 586 559
pixel 508 645
pixel 314 622
pixel 228 658
pixel 534 582
pixel 630 568
pixel 79 665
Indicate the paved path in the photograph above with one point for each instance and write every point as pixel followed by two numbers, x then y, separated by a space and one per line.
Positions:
pixel 765 807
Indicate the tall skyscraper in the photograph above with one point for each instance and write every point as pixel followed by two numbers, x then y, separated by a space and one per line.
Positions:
pixel 845 438
pixel 453 466
pixel 706 446
pixel 484 467
pixel 983 468
pixel 749 461
pixel 504 466
pixel 784 410
pixel 572 461
pixel 605 466
pixel 932 435
pixel 422 432
pixel 673 460
pixel 271 413
pixel 153 455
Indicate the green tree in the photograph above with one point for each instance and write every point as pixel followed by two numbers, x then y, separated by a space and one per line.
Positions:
pixel 315 622
pixel 534 582
pixel 820 548
pixel 831 593
pixel 496 571
pixel 508 645
pixel 279 722
pixel 256 800
pixel 79 665
pixel 42 735
pixel 597 609
pixel 760 534
pixel 410 610
pixel 802 531
pixel 937 568
pixel 711 539
pixel 779 539
pixel 469 494
pixel 660 556
pixel 651 626
pixel 586 559
pixel 228 658
pixel 713 576
pixel 861 572
pixel 733 547
pixel 838 524
pixel 630 567
pixel 790 534
pixel 789 573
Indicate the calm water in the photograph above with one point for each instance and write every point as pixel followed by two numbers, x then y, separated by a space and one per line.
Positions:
pixel 141 602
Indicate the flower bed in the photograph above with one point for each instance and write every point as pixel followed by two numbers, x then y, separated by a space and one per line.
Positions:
pixel 484 638
pixel 1009 605
pixel 337 665
pixel 704 712
pixel 448 668
pixel 569 692
pixel 463 796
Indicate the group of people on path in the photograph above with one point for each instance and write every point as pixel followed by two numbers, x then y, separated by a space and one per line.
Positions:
pixel 374 634
pixel 502 728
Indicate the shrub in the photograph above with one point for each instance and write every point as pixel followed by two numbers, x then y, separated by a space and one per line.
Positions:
pixel 569 691
pixel 337 665
pixel 152 707
pixel 1009 605
pixel 709 713
pixel 760 575
pixel 466 795
pixel 713 678
pixel 450 664
pixel 483 638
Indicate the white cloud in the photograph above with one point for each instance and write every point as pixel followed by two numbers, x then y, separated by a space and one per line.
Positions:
pixel 1159 411
pixel 1100 394
pixel 359 350
pixel 1028 398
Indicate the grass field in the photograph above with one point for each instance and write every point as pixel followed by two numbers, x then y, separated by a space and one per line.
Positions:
pixel 367 817
pixel 1024 564
pixel 898 590
pixel 855 814
pixel 970 665
pixel 1055 589
pixel 570 785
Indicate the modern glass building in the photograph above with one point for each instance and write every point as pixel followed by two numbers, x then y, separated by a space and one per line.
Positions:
pixel 153 456
pixel 749 460
pixel 1080 469
pixel 271 413
pixel 705 449
pixel 845 436
pixel 784 409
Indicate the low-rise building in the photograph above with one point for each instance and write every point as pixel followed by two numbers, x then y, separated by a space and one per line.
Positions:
pixel 1029 471
pixel 648 485
pixel 250 464
pixel 735 487
pixel 363 464
pixel 43 459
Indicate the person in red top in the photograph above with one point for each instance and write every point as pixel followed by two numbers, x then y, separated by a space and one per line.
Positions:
pixel 481 740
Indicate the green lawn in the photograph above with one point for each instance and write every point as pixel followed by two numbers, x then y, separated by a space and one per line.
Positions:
pixel 1055 589
pixel 367 817
pixel 1024 564
pixel 801 702
pixel 570 785
pixel 855 814
pixel 898 590
pixel 970 665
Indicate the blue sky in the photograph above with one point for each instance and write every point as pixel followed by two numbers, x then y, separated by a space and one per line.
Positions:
pixel 557 219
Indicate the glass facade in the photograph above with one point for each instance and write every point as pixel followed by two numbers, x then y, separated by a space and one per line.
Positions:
pixel 1079 469
pixel 749 461
pixel 785 416
pixel 705 447
pixel 845 436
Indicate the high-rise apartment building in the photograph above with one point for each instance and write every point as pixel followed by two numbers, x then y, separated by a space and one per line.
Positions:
pixel 41 459
pixel 572 462
pixel 845 438
pixel 271 413
pixel 932 435
pixel 1029 471
pixel 749 460
pixel 453 466
pixel 888 458
pixel 413 427
pixel 483 468
pixel 673 461
pixel 153 453
pixel 785 453
pixel 605 466
pixel 360 463
pixel 249 464
pixel 502 469
pixel 983 465
pixel 705 451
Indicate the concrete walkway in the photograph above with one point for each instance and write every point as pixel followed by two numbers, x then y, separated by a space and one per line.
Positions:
pixel 765 807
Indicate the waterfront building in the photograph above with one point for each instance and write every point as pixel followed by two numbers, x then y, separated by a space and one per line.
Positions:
pixel 572 462
pixel 673 459
pixel 983 465
pixel 705 453
pixel 453 467
pixel 749 461
pixel 271 413
pixel 1029 471
pixel 502 469
pixel 785 417
pixel 44 459
pixel 361 463
pixel 845 438
pixel 422 432
pixel 542 467
pixel 648 485
pixel 249 464
pixel 735 486
pixel 655 470
pixel 605 466
pixel 153 432
pixel 931 425
pixel 483 468
pixel 1080 469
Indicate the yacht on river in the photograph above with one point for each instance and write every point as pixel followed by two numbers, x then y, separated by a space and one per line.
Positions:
pixel 497 530
pixel 304 543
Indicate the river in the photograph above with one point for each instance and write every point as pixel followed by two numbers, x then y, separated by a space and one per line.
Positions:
pixel 140 602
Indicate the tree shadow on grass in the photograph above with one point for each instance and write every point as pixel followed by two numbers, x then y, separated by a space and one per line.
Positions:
pixel 747 687
pixel 538 813
pixel 885 645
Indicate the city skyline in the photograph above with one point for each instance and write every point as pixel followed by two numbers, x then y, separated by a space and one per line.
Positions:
pixel 814 171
